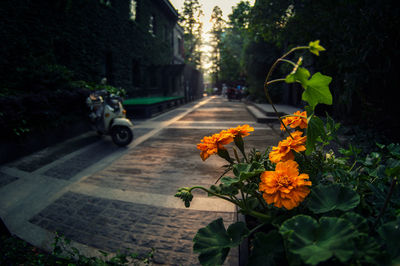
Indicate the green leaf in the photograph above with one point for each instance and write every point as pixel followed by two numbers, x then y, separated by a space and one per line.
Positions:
pixel 224 189
pixel 245 171
pixel 213 242
pixel 301 75
pixel 229 180
pixel 317 90
pixel 240 167
pixel 237 232
pixel 393 167
pixel 317 242
pixel 368 251
pixel 267 249
pixel 325 198
pixel 394 150
pixel 315 129
pixel 359 222
pixel 315 48
pixel 390 234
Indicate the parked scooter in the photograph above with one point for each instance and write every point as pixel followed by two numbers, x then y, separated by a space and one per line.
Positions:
pixel 109 117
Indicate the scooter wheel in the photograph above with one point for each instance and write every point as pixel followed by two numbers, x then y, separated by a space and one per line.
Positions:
pixel 121 135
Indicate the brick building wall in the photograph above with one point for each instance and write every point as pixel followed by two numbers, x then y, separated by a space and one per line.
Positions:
pixel 93 38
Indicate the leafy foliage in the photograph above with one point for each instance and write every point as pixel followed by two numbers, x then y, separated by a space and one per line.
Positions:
pixel 326 198
pixel 16 251
pixel 316 242
pixel 193 27
pixel 214 242
pixel 267 249
pixel 350 215
pixel 358 33
pixel 390 233
pixel 216 32
pixel 233 43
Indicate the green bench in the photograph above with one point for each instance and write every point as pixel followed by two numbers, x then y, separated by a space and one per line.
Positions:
pixel 146 107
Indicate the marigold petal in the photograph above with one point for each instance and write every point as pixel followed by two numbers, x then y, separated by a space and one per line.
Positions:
pixel 304 178
pixel 278 203
pixel 284 166
pixel 284 186
pixel 204 155
pixel 288 156
pixel 299 148
pixel 275 156
pixel 303 191
pixel 268 198
pixel 267 175
pixel 285 190
pixel 270 190
pixel 289 203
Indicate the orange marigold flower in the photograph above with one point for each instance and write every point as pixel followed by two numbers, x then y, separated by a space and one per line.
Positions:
pixel 298 120
pixel 210 145
pixel 283 151
pixel 284 186
pixel 241 130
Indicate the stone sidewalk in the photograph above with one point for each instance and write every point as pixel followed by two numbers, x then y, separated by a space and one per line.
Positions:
pixel 122 199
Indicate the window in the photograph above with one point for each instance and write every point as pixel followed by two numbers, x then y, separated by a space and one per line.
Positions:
pixel 152 25
pixel 133 9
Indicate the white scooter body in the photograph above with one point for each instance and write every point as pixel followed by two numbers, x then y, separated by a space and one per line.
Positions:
pixel 109 117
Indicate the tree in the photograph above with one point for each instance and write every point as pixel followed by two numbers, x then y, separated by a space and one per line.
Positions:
pixel 362 38
pixel 215 42
pixel 190 21
pixel 233 42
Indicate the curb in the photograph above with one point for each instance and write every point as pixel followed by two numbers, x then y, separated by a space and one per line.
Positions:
pixel 264 113
pixel 260 116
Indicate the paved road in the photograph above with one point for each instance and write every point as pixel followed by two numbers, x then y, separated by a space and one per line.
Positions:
pixel 109 198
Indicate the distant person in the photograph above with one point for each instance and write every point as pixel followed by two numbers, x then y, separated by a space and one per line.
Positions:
pixel 215 91
pixel 231 93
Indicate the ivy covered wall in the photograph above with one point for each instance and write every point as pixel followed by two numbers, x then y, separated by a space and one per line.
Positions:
pixel 93 38
pixel 46 46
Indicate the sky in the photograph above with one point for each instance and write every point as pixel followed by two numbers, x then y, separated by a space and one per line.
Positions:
pixel 207 7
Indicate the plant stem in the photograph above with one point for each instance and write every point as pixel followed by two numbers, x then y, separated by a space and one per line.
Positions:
pixel 287 61
pixel 261 201
pixel 269 75
pixel 226 171
pixel 243 198
pixel 389 195
pixel 244 155
pixel 216 195
pixel 236 154
pixel 275 81
pixel 351 168
pixel 256 228
pixel 258 214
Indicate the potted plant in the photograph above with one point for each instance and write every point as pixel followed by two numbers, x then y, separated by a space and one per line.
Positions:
pixel 306 204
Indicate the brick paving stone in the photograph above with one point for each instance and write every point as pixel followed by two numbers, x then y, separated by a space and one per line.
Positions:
pixel 69 168
pixel 6 179
pixel 133 227
pixel 207 114
pixel 51 154
pixel 152 166
pixel 160 165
